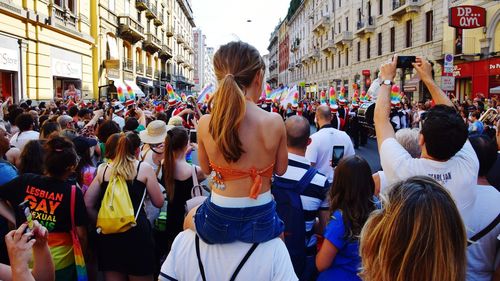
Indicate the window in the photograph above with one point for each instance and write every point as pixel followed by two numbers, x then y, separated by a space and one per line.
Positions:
pixel 429 25
pixel 408 33
pixel 340 3
pixel 339 61
pixel 346 57
pixel 379 42
pixel 339 28
pixel 381 7
pixel 393 39
pixel 359 51
pixel 111 5
pixel 346 23
pixel 68 4
pixel 326 63
pixel 333 63
pixel 368 47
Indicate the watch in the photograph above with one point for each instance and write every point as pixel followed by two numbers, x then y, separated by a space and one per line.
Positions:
pixel 387 82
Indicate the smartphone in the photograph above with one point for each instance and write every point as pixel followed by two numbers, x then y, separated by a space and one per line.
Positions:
pixel 337 154
pixel 25 215
pixel 192 136
pixel 405 61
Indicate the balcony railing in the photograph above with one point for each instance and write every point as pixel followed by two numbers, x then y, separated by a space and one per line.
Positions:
pixel 180 38
pixel 328 46
pixel 179 58
pixel 158 21
pixel 151 11
pixel 170 31
pixel 314 54
pixel 165 76
pixel 129 29
pixel 149 71
pixel 343 37
pixel 128 64
pixel 321 25
pixel 141 5
pixel 165 52
pixel 365 26
pixel 402 7
pixel 64 17
pixel 151 44
pixel 139 68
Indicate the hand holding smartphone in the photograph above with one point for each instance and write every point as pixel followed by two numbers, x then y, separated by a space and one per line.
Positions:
pixel 405 61
pixel 337 154
pixel 25 216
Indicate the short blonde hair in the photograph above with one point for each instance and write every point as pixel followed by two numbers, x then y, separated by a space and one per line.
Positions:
pixel 175 121
pixel 419 235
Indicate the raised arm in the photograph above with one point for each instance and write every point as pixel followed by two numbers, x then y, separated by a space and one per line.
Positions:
pixel 424 70
pixel 383 127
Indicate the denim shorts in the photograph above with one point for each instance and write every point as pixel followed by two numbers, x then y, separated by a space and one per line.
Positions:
pixel 220 225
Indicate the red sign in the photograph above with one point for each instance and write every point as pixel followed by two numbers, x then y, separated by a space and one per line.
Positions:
pixel 365 72
pixel 467 17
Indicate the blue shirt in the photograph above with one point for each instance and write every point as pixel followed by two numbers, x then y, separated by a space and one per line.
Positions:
pixel 7 172
pixel 476 128
pixel 347 262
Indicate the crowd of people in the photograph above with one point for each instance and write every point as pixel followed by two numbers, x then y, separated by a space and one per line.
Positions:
pixel 114 192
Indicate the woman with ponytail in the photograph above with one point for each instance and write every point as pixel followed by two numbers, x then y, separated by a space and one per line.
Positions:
pixel 241 146
pixel 49 198
pixel 130 254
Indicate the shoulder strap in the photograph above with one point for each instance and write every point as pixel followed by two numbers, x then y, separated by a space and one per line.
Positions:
pixel 193 175
pixel 72 206
pixel 243 261
pixel 200 264
pixel 143 195
pixel 137 172
pixel 141 155
pixel 104 173
pixel 306 179
pixel 485 231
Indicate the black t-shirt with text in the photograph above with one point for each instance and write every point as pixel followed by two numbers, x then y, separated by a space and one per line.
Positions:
pixel 50 200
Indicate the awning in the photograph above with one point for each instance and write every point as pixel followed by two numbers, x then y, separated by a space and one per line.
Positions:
pixel 135 88
pixel 495 90
pixel 412 84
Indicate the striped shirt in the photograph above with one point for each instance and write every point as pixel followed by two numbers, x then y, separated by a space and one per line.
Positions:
pixel 314 197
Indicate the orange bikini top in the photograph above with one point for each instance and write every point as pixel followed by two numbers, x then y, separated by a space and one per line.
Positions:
pixel 221 174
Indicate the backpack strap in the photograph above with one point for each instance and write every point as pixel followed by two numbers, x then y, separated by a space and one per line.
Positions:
pixel 238 268
pixel 193 175
pixel 105 169
pixel 306 179
pixel 485 231
pixel 143 195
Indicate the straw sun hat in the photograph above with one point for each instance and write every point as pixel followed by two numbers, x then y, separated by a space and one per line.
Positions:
pixel 155 132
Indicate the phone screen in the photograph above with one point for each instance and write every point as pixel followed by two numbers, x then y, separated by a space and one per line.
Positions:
pixel 192 136
pixel 25 215
pixel 405 61
pixel 337 154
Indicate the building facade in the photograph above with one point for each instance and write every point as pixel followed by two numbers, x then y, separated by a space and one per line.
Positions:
pixel 209 74
pixel 199 59
pixel 283 53
pixel 273 59
pixel 46 49
pixel 342 43
pixel 183 24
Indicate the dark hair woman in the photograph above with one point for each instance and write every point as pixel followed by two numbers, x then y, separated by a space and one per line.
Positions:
pixel 49 197
pixel 32 158
pixel 351 202
pixel 130 253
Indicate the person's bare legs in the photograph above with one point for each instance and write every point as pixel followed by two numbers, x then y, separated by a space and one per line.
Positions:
pixel 140 278
pixel 114 276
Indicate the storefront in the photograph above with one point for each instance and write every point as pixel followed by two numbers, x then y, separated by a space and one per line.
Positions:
pixel 9 68
pixel 66 74
pixel 146 85
pixel 478 78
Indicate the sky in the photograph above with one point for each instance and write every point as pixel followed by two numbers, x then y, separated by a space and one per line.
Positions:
pixel 223 21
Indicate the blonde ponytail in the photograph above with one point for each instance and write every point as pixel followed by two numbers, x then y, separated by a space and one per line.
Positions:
pixel 227 114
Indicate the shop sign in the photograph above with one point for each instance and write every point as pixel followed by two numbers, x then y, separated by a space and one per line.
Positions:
pixel 448 83
pixel 9 59
pixel 448 63
pixel 68 69
pixel 494 67
pixel 467 17
pixel 365 72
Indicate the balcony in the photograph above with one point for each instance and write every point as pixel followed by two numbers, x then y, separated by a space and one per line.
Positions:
pixel 343 37
pixel 157 75
pixel 179 59
pixel 365 26
pixel 321 25
pixel 402 7
pixel 185 45
pixel 170 31
pixel 129 29
pixel 151 11
pixel 314 54
pixel 328 46
pixel 291 66
pixel 139 68
pixel 149 71
pixel 128 65
pixel 165 77
pixel 180 38
pixel 273 65
pixel 141 5
pixel 165 52
pixel 63 17
pixel 298 64
pixel 158 21
pixel 304 59
pixel 191 50
pixel 151 44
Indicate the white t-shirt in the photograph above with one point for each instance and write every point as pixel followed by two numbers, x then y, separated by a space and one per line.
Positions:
pixel 20 139
pixel 458 174
pixel 482 257
pixel 269 261
pixel 119 120
pixel 321 148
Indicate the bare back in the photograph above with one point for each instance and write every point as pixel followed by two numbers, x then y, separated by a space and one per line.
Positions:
pixel 263 139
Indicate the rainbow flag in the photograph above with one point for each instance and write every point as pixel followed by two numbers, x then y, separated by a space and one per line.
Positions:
pixel 363 98
pixel 183 97
pixel 341 96
pixel 203 96
pixel 121 94
pixel 131 93
pixel 395 97
pixel 355 99
pixel 322 97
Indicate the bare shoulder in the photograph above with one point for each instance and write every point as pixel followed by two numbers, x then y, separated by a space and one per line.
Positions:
pixel 275 119
pixel 203 122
